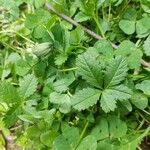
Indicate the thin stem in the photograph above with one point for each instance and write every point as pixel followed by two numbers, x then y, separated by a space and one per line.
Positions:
pixel 24 38
pixel 139 148
pixel 143 118
pixel 4 66
pixel 146 112
pixel 11 47
pixel 11 31
pixel 99 26
pixel 82 134
pixel 69 69
pixel 109 12
pixel 141 124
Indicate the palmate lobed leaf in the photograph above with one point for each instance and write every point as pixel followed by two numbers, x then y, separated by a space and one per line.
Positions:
pixel 116 71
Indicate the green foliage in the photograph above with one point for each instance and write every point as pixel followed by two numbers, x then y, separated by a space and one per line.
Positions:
pixel 90 69
pixel 133 54
pixel 127 26
pixel 85 98
pixel 61 89
pixel 144 86
pixel 27 85
pixel 116 71
pixel 8 93
pixel 146 46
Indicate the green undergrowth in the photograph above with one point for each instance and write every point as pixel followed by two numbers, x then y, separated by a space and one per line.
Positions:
pixel 61 89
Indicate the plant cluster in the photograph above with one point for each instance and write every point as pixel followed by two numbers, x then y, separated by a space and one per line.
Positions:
pixel 61 89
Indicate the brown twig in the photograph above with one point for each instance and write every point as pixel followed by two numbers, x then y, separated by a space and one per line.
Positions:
pixel 73 22
pixel 88 31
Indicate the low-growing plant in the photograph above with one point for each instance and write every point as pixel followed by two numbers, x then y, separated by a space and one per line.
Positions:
pixel 74 75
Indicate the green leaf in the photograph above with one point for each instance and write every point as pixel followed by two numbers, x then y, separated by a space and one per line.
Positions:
pixel 58 98
pixel 146 46
pixel 132 142
pixel 62 144
pixel 22 67
pixel 12 7
pixel 127 26
pixel 139 100
pixel 12 114
pixel 130 14
pixel 109 126
pixel 8 93
pixel 117 127
pixel 109 97
pixel 101 130
pixel 63 100
pixel 146 8
pixel 68 139
pixel 107 102
pixel 32 132
pixel 76 36
pixel 143 26
pixel 131 52
pixel 62 84
pixel 28 85
pixel 144 86
pixel 104 47
pixel 81 17
pixel 120 92
pixel 127 105
pixel 60 59
pixel 48 138
pixel 90 69
pixel 116 71
pixel 103 144
pixel 33 20
pixel 85 98
pixel 39 3
pixel 88 143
